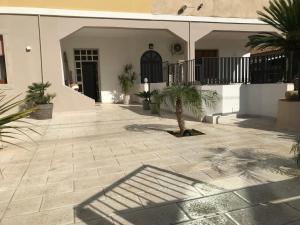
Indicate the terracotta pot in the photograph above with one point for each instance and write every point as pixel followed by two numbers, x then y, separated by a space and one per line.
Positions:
pixel 126 100
pixel 43 112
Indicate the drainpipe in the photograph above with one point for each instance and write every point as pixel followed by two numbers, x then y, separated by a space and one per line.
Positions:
pixel 189 40
pixel 41 53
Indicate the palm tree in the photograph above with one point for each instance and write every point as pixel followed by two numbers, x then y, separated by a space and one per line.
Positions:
pixel 185 96
pixel 283 15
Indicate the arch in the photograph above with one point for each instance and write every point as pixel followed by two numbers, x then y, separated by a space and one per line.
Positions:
pixel 151 67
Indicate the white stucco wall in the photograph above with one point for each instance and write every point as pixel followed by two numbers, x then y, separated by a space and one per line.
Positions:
pixel 244 99
pixel 114 53
pixel 226 47
pixel 262 99
pixel 248 99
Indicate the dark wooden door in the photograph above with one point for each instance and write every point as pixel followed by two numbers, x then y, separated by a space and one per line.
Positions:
pixel 207 65
pixel 90 79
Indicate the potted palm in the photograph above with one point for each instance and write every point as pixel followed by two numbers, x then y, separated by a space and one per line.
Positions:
pixel 178 97
pixel 145 95
pixel 126 81
pixel 37 97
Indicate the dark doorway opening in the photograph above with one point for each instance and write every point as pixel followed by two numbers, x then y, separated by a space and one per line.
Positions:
pixel 151 67
pixel 90 79
pixel 206 65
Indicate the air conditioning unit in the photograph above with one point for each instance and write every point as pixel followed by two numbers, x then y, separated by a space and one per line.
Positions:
pixel 177 49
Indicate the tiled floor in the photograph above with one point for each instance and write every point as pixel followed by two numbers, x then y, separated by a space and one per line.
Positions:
pixel 117 165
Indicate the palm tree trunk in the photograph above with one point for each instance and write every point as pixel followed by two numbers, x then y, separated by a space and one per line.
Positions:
pixel 179 115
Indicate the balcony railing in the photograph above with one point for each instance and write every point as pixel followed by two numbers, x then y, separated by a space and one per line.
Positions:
pixel 229 70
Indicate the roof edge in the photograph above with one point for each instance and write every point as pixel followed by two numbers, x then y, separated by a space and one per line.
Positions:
pixel 123 15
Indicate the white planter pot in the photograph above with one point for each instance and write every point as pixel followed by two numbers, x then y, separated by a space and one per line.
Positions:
pixel 43 112
pixel 126 100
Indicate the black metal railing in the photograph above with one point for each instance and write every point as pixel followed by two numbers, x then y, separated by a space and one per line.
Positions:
pixel 230 70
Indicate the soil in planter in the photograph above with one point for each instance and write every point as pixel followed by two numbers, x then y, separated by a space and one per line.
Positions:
pixel 187 133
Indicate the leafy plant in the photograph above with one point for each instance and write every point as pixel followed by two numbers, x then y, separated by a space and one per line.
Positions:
pixel 8 115
pixel 127 79
pixel 144 94
pixel 37 95
pixel 283 15
pixel 296 151
pixel 186 96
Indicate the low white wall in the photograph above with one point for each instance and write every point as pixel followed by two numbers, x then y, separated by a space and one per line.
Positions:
pixel 243 99
pixel 262 99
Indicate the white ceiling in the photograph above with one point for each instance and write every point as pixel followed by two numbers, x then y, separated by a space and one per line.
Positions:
pixel 121 33
pixel 231 35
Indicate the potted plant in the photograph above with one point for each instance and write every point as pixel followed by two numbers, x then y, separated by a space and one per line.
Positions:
pixel 126 81
pixel 146 99
pixel 37 96
pixel 155 102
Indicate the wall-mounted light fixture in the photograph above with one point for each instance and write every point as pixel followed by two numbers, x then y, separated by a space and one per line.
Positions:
pixel 151 46
pixel 28 48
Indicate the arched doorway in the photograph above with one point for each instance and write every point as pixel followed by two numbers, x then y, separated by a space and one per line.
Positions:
pixel 151 67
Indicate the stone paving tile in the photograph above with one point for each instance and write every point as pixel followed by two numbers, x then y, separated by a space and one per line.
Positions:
pixel 163 215
pixel 295 203
pixel 266 214
pixel 100 181
pixel 20 207
pixel 207 189
pixel 294 223
pixel 60 216
pixel 6 195
pixel 277 191
pixel 103 159
pixel 3 206
pixel 213 204
pixel 217 220
pixel 71 198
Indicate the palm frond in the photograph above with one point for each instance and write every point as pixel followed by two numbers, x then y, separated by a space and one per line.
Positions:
pixel 9 132
pixel 283 15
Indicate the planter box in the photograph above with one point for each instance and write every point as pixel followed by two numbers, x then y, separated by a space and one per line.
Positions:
pixel 288 115
pixel 43 112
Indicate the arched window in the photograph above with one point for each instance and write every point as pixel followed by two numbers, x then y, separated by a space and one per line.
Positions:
pixel 151 67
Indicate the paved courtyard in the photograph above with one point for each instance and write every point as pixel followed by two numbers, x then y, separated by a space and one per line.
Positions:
pixel 116 165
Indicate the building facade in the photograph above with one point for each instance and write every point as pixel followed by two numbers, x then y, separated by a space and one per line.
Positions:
pixel 88 43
